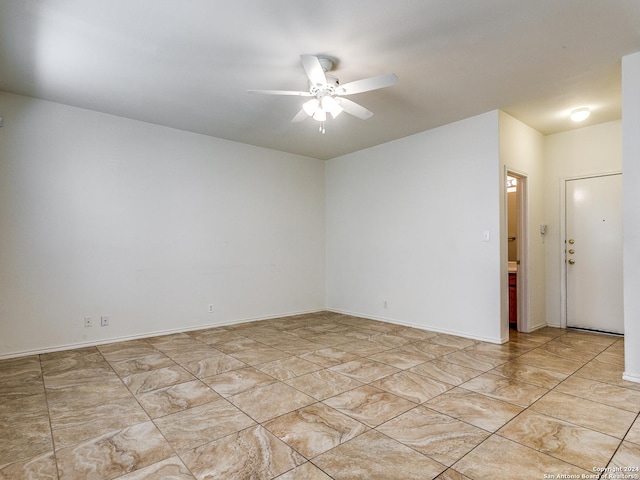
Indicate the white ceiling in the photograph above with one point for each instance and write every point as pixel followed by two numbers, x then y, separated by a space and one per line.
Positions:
pixel 188 64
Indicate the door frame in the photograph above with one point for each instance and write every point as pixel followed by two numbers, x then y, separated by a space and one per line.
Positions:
pixel 563 236
pixel 522 200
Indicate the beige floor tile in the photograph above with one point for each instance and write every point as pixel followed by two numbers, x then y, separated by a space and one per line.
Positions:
pixel 505 389
pixel 363 348
pixel 369 405
pixel 335 387
pixel 145 363
pixel 428 349
pixel 254 453
pixel 196 426
pixel 451 475
pixel 329 338
pixel 123 351
pixel 306 471
pixel 76 370
pixel 41 467
pixel 413 387
pixel 297 346
pixel 78 425
pixel 523 372
pixel 238 344
pixel 614 358
pixel 155 379
pixel 452 341
pixel 170 469
pixel 114 454
pixel 214 336
pixel 323 384
pixel 20 377
pixel 606 373
pixel 287 368
pixel 596 416
pixel 506 351
pixel 588 340
pixel 314 429
pixel 473 360
pixel 24 428
pixel 567 351
pixel 364 370
pixel 439 436
pixel 612 395
pixel 634 433
pixel 446 372
pixel 259 354
pixel 329 357
pixel 213 365
pixel 498 457
pixel 574 444
pixel 549 361
pixel 400 358
pixel 373 456
pixel 628 455
pixel 167 400
pixel 474 408
pixel 84 411
pixel 237 381
pixel 174 342
pixel 389 340
pixel 193 352
pixel 268 401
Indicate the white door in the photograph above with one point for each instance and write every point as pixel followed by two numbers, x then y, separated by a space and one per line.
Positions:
pixel 593 247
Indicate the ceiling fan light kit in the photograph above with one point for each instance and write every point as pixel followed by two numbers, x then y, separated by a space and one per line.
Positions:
pixel 327 91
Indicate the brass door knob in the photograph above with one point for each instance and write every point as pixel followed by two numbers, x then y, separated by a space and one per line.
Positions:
pixel 572 241
pixel 571 261
pixel 572 251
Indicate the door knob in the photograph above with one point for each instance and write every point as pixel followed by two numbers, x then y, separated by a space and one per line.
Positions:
pixel 572 241
pixel 571 261
pixel 572 251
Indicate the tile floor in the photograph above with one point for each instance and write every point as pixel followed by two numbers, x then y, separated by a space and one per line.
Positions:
pixel 321 396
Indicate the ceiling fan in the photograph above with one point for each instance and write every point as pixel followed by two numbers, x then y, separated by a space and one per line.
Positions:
pixel 327 93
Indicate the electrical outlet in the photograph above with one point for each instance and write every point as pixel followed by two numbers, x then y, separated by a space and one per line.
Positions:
pixel 211 308
pixel 104 321
pixel 88 322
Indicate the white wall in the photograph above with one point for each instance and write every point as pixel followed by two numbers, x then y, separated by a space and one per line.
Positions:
pixel 149 225
pixel 405 222
pixel 522 151
pixel 631 212
pixel 581 152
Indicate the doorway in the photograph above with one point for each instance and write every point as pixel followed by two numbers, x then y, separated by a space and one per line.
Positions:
pixel 593 253
pixel 517 242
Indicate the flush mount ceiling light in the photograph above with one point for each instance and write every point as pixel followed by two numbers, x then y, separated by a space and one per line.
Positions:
pixel 580 114
pixel 326 91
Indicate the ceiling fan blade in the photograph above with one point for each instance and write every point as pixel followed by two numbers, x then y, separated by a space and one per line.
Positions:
pixel 354 109
pixel 281 92
pixel 300 116
pixel 314 70
pixel 367 84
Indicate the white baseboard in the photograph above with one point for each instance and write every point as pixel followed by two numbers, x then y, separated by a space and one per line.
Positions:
pixel 631 377
pixel 157 333
pixel 421 327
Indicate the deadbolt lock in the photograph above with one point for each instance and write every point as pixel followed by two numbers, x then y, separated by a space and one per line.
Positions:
pixel 571 261
pixel 572 251
pixel 572 241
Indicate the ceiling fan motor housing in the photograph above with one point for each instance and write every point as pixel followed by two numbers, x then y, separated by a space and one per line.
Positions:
pixel 327 89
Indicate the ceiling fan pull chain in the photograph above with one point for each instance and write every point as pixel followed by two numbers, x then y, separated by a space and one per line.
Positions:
pixel 321 129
